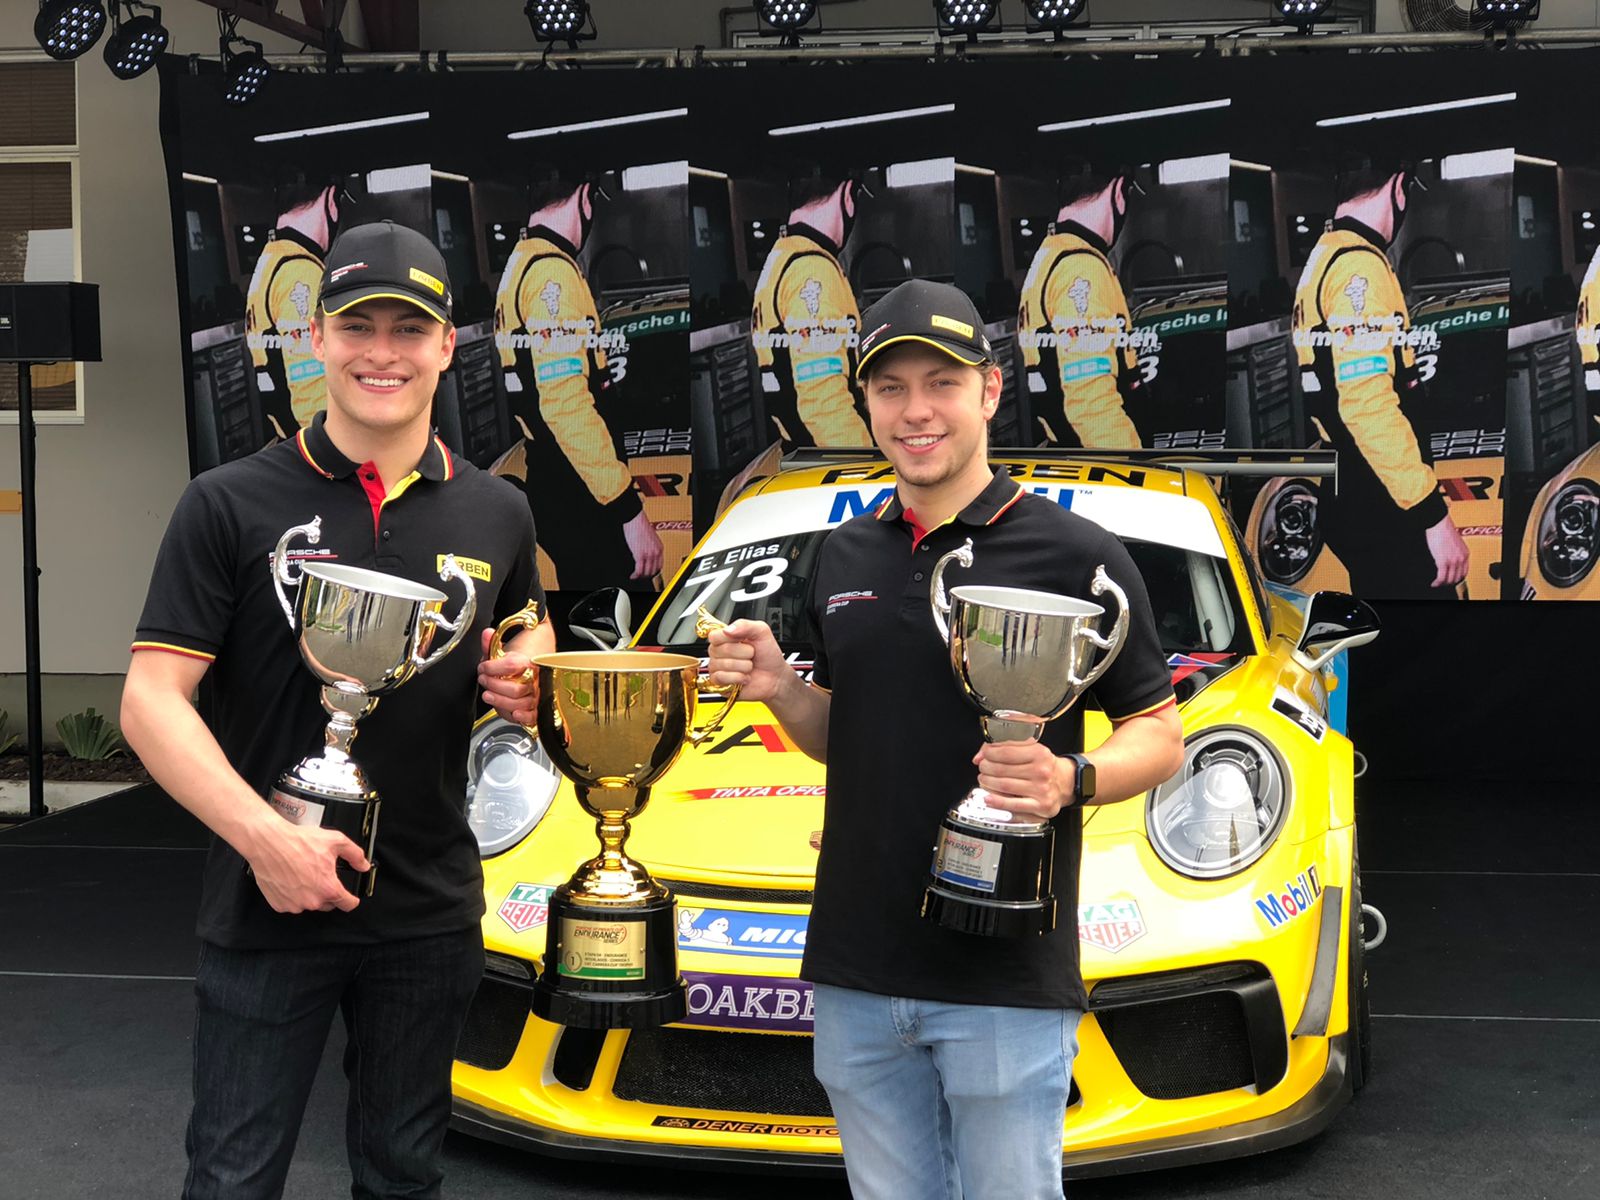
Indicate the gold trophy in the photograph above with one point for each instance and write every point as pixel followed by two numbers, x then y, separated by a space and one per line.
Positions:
pixel 613 722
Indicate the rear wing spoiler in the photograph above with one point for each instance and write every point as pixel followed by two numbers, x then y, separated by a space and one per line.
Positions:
pixel 1227 464
pixel 1235 463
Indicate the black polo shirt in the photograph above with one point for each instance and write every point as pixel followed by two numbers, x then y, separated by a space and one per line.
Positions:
pixel 211 596
pixel 901 737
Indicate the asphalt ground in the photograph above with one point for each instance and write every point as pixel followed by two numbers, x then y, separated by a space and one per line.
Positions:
pixel 1487 1077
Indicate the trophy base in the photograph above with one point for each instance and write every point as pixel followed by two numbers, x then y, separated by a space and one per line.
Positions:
pixel 987 918
pixel 610 966
pixel 990 880
pixel 356 818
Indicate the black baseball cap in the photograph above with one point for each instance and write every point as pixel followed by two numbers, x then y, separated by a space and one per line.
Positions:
pixel 385 261
pixel 920 310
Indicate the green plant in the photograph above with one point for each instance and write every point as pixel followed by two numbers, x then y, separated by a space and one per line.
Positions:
pixel 5 742
pixel 88 735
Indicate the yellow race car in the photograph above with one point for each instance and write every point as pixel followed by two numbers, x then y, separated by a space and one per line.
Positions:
pixel 1219 915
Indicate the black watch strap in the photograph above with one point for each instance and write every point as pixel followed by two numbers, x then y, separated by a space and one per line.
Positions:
pixel 1083 779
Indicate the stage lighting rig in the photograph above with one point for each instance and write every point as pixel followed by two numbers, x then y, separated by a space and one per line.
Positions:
pixel 552 21
pixel 67 28
pixel 786 18
pixel 135 43
pixel 1302 14
pixel 247 70
pixel 1501 13
pixel 969 17
pixel 1054 15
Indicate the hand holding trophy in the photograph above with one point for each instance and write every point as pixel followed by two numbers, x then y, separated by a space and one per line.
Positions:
pixel 363 633
pixel 613 722
pixel 1022 658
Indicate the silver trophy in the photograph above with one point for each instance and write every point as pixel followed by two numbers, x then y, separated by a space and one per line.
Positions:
pixel 363 633
pixel 1022 658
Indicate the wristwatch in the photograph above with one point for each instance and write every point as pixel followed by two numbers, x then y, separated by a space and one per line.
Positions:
pixel 1083 779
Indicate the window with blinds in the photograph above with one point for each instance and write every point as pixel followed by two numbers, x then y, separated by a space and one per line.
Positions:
pixel 38 241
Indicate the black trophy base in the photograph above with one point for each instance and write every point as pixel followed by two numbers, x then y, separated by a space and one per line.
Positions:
pixel 611 966
pixel 356 819
pixel 966 915
pixel 992 882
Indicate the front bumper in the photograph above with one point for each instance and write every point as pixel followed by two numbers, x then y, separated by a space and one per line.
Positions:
pixel 1224 1019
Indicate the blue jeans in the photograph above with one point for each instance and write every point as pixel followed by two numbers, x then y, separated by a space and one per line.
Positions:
pixel 940 1101
pixel 261 1024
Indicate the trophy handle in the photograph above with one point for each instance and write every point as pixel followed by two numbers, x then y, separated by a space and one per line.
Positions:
pixel 1102 584
pixel 704 623
pixel 528 618
pixel 457 629
pixel 941 603
pixel 281 566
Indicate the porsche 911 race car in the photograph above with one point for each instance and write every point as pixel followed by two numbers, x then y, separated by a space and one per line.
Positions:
pixel 1219 917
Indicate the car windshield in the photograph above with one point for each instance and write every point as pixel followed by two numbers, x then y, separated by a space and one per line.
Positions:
pixel 1191 594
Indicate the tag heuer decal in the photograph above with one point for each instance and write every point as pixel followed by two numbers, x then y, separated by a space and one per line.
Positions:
pixel 527 907
pixel 1111 925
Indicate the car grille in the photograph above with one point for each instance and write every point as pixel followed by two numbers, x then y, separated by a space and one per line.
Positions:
pixel 1187 1046
pixel 733 1072
pixel 494 1025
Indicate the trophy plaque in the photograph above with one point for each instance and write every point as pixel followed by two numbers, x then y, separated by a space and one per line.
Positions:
pixel 1022 658
pixel 363 634
pixel 613 722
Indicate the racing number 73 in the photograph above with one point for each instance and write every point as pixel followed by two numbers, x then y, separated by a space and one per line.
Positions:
pixel 765 576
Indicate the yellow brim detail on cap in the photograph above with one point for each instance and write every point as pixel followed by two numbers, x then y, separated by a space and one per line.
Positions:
pixel 411 300
pixel 912 337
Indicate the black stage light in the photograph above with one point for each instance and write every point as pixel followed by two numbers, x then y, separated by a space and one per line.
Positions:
pixel 970 17
pixel 134 44
pixel 1301 13
pixel 1501 13
pixel 247 71
pixel 1054 14
pixel 554 21
pixel 787 17
pixel 67 28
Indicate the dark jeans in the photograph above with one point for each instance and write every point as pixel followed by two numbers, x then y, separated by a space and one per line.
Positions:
pixel 261 1023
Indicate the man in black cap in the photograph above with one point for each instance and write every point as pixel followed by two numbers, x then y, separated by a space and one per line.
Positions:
pixel 283 944
pixel 947 1056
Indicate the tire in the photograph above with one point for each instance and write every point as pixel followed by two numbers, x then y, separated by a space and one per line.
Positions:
pixel 1360 1008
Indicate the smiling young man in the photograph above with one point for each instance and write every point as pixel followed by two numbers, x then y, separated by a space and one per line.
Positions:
pixel 947 1056
pixel 283 944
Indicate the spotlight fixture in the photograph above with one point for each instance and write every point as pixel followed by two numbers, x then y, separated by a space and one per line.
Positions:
pixel 969 17
pixel 1301 13
pixel 134 44
pixel 247 71
pixel 1054 15
pixel 67 28
pixel 788 17
pixel 552 21
pixel 1501 13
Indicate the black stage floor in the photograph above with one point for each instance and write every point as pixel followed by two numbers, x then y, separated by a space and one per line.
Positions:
pixel 1488 1035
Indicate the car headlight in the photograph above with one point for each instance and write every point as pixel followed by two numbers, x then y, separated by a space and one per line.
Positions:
pixel 510 784
pixel 1290 539
pixel 1223 809
pixel 1569 533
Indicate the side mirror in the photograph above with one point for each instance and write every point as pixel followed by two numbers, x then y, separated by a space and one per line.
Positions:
pixel 604 618
pixel 1335 622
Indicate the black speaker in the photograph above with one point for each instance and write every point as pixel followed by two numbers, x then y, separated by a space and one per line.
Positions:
pixel 49 322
